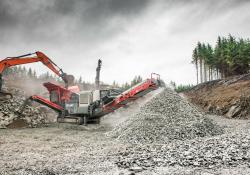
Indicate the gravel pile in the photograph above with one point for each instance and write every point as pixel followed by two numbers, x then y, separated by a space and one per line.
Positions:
pixel 224 150
pixel 9 117
pixel 165 118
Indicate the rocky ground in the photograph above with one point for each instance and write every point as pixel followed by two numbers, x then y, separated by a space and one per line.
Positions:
pixel 10 108
pixel 67 149
pixel 72 149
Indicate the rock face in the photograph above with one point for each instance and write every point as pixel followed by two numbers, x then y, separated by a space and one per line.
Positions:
pixel 229 97
pixel 165 118
pixel 9 117
pixel 233 111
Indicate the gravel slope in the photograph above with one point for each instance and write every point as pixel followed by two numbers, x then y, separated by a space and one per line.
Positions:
pixel 165 118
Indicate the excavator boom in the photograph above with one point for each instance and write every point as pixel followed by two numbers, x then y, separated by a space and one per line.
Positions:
pixel 28 58
pixel 24 59
pixel 32 58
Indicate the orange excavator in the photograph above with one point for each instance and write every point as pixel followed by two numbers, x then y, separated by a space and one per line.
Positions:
pixel 32 58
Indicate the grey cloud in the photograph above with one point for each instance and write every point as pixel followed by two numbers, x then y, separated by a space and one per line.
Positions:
pixel 61 20
pixel 92 20
pixel 6 18
pixel 190 15
pixel 141 35
pixel 102 8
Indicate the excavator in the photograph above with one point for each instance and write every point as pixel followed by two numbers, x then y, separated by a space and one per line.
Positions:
pixel 32 58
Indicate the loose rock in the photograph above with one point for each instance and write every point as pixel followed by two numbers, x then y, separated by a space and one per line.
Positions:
pixel 165 118
pixel 9 117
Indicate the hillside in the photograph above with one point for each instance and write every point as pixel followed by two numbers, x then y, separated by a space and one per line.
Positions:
pixel 229 97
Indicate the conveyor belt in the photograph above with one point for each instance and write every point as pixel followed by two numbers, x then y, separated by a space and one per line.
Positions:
pixel 47 102
pixel 132 94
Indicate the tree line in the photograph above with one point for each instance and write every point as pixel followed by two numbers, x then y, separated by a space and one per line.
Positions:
pixel 180 88
pixel 87 85
pixel 21 72
pixel 125 86
pixel 230 56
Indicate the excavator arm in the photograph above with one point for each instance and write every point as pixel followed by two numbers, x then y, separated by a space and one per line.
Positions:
pixel 13 61
pixel 38 57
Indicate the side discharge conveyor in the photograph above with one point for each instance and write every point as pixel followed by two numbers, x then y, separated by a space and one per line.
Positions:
pixel 134 93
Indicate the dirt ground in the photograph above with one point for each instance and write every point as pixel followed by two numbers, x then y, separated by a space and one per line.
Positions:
pixel 228 97
pixel 72 149
pixel 56 150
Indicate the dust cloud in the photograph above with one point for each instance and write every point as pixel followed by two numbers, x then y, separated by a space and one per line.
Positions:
pixel 124 113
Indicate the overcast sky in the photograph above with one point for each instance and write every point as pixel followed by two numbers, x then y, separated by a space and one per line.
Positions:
pixel 132 37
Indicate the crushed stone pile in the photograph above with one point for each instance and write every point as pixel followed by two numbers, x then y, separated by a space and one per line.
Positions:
pixel 229 150
pixel 165 118
pixel 10 118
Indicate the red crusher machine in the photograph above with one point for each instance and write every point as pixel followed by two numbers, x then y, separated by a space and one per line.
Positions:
pixel 84 106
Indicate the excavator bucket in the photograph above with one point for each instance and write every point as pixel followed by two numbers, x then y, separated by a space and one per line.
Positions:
pixel 70 79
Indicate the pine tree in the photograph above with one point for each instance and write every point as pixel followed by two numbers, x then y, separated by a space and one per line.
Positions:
pixel 139 79
pixel 199 51
pixel 125 86
pixel 229 57
pixel 80 80
pixel 34 74
pixel 30 74
pixel 24 72
pixel 115 84
pixel 195 61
